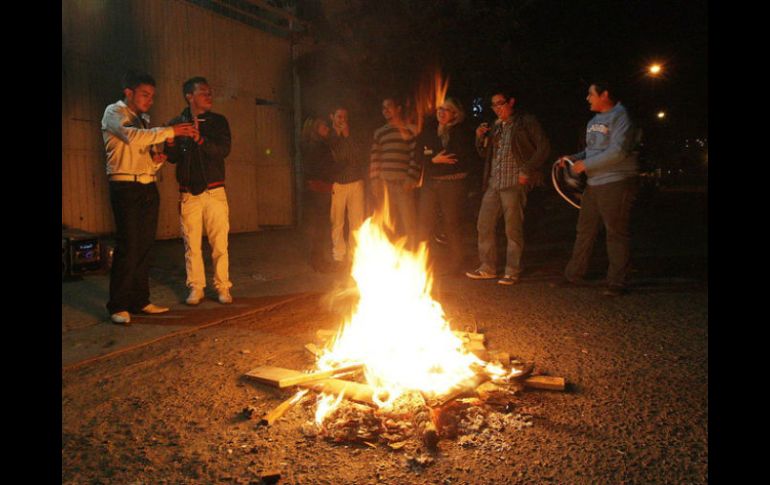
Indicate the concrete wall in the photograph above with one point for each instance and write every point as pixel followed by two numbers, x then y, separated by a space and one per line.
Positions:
pixel 174 40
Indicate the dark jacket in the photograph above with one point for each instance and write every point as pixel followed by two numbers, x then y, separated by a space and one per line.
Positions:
pixel 460 143
pixel 348 159
pixel 529 145
pixel 200 166
pixel 317 163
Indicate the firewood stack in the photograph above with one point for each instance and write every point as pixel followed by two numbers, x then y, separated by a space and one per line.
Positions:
pixel 475 405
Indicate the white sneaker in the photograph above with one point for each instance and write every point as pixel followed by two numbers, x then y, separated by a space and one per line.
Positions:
pixel 195 296
pixel 121 318
pixel 225 297
pixel 152 309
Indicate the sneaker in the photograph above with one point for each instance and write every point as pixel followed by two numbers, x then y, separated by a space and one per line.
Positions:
pixel 224 296
pixel 121 318
pixel 152 309
pixel 614 290
pixel 195 296
pixel 480 275
pixel 508 280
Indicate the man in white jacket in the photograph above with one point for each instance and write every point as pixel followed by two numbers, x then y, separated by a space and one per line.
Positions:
pixel 132 163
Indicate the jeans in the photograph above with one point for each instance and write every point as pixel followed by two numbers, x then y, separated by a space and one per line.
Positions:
pixel 208 209
pixel 610 203
pixel 511 202
pixel 350 196
pixel 135 208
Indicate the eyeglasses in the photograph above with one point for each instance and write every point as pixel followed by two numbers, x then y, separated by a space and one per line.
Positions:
pixel 499 103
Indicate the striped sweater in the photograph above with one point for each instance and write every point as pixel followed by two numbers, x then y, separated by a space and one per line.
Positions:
pixel 392 155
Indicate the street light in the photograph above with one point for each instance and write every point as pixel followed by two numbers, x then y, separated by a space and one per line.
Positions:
pixel 661 114
pixel 655 69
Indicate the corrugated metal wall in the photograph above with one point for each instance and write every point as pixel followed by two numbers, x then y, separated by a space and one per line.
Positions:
pixel 175 40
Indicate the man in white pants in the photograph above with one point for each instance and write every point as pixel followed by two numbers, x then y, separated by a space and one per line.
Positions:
pixel 348 188
pixel 200 171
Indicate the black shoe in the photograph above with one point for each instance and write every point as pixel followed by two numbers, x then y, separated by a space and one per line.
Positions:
pixel 614 290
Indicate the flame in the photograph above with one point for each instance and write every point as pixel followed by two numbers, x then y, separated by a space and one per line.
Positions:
pixel 430 94
pixel 327 403
pixel 396 329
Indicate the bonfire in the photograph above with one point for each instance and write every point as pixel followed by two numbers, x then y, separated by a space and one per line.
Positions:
pixel 407 373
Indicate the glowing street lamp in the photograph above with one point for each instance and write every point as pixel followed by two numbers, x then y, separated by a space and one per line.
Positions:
pixel 655 69
pixel 661 115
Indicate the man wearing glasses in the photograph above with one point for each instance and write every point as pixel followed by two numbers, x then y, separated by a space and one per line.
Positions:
pixel 513 151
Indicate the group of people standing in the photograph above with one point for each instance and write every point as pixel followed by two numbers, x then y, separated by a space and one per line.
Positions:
pixel 439 160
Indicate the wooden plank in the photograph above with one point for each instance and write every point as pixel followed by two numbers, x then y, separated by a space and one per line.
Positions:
pixel 477 348
pixel 280 377
pixel 352 390
pixel 465 388
pixel 313 349
pixel 549 383
pixel 273 376
pixel 470 336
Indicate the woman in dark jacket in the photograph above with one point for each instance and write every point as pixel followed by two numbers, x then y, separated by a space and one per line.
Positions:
pixel 317 163
pixel 447 154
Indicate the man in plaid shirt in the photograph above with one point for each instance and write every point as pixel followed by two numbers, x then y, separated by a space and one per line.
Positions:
pixel 513 150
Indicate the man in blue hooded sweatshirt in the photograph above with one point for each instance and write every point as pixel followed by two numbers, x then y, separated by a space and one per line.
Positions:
pixel 610 161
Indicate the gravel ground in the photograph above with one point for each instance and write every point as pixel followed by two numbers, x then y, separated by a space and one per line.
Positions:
pixel 636 410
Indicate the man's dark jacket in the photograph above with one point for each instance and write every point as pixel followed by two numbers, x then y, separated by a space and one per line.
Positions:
pixel 201 165
pixel 529 146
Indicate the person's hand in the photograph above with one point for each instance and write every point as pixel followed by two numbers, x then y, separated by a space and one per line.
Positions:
pixel 482 130
pixel 579 166
pixel 197 135
pixel 344 129
pixel 159 158
pixel 186 129
pixel 444 157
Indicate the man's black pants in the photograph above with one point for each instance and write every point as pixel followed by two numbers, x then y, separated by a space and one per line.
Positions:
pixel 135 207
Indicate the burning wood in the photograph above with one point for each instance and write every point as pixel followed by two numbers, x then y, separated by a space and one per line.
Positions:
pixel 416 370
pixel 276 376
